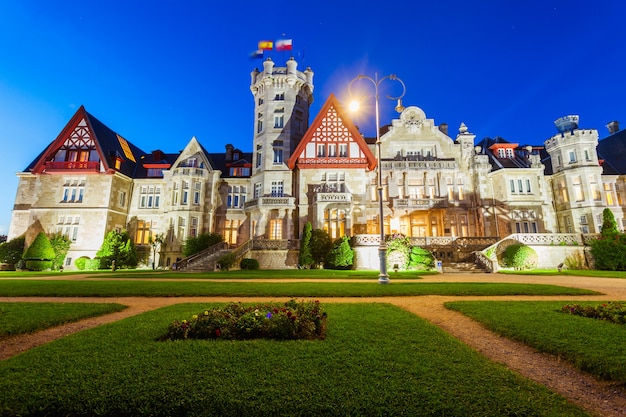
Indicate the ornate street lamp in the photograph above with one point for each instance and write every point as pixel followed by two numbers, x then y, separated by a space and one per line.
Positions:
pixel 383 277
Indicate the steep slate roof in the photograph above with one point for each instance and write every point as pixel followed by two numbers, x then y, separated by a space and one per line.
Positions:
pixel 612 150
pixel 319 130
pixel 108 144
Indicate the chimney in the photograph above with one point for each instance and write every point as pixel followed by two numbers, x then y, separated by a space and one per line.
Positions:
pixel 157 155
pixel 443 128
pixel 613 127
pixel 229 152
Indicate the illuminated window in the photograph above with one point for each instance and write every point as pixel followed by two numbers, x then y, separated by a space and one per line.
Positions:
pixel 276 229
pixel 144 232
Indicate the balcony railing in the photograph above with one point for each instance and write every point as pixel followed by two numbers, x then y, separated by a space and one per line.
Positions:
pixel 333 197
pixel 271 202
pixel 190 171
pixel 420 203
pixel 72 166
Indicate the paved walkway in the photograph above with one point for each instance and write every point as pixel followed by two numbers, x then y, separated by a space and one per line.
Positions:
pixel 600 398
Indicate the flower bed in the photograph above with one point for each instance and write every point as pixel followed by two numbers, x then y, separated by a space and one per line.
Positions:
pixel 614 312
pixel 280 321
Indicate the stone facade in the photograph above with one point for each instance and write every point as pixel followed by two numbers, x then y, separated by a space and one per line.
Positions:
pixel 91 180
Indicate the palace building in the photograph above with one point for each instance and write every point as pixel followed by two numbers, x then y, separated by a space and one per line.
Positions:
pixel 436 186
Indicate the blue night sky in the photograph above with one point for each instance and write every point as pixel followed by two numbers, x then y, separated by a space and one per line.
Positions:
pixel 161 72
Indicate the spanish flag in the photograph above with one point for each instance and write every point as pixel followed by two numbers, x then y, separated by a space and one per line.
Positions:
pixel 266 45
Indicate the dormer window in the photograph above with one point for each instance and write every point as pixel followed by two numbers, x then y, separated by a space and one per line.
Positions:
pixel 279 96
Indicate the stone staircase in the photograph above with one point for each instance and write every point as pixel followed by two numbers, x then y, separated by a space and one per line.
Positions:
pixel 206 260
pixel 464 268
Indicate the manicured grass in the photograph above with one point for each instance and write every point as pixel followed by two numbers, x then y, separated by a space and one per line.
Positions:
pixel 377 359
pixel 571 272
pixel 19 318
pixel 596 346
pixel 121 288
pixel 235 274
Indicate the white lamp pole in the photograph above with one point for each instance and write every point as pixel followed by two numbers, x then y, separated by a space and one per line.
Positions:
pixel 383 277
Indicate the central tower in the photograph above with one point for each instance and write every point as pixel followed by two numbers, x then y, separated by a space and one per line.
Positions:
pixel 282 97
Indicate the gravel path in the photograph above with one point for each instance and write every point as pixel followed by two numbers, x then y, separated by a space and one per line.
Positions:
pixel 598 397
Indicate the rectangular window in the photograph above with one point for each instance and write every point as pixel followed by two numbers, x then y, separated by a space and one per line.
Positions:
pixel 257 190
pixel 343 150
pixel 276 229
pixel 572 157
pixel 279 96
pixel 520 186
pixel 321 150
pixel 279 121
pixel 193 229
pixel 259 155
pixel 277 188
pixel 196 197
pixel 73 191
pixel 332 150
pixel 528 185
pixel 278 156
pixel 578 188
pixel 122 199
pixel 512 186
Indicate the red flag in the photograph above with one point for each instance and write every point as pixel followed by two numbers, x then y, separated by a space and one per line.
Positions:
pixel 284 44
pixel 266 45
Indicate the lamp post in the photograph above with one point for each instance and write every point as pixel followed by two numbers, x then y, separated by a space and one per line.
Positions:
pixel 383 277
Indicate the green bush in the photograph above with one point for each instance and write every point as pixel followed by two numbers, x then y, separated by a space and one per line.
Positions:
pixel 40 254
pixel 95 264
pixel 341 256
pixel 520 256
pixel 249 264
pixel 60 244
pixel 38 265
pixel 609 252
pixel 288 321
pixel 118 247
pixel 227 261
pixel 305 258
pixel 421 259
pixel 321 246
pixel 80 263
pixel 11 251
pixel 199 243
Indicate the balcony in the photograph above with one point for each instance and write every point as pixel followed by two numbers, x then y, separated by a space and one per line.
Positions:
pixel 333 197
pixel 190 172
pixel 271 202
pixel 419 203
pixel 54 166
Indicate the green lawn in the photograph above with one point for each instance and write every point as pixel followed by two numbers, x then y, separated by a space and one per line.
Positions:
pixel 18 318
pixel 572 272
pixel 120 288
pixel 595 346
pixel 377 359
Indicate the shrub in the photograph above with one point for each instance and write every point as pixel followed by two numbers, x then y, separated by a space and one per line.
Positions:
pixel 421 259
pixel 199 243
pixel 341 256
pixel 60 244
pixel 40 254
pixel 320 245
pixel 398 251
pixel 520 256
pixel 95 264
pixel 305 258
pixel 249 264
pixel 288 321
pixel 576 261
pixel 80 263
pixel 609 252
pixel 227 261
pixel 11 251
pixel 118 247
pixel 614 312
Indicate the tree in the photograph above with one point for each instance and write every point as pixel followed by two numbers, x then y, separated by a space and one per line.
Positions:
pixel 11 251
pixel 40 254
pixel 306 258
pixel 156 243
pixel 341 255
pixel 320 246
pixel 197 244
pixel 609 225
pixel 118 247
pixel 61 244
